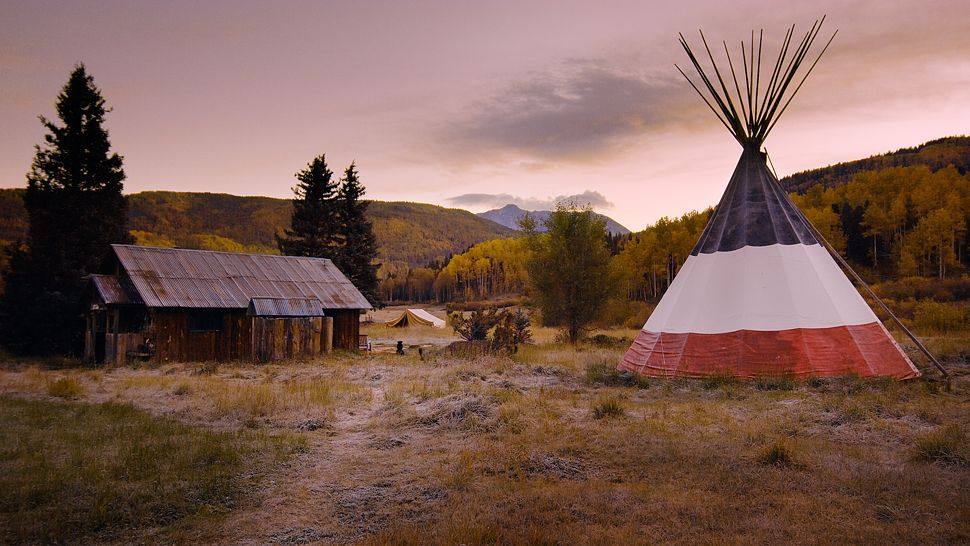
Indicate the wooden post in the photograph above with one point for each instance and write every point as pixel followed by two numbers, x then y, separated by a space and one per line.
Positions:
pixel 326 335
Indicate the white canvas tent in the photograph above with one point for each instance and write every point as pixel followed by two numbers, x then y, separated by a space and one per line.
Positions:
pixel 416 316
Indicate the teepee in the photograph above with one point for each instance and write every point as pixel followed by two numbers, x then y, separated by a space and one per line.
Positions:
pixel 759 295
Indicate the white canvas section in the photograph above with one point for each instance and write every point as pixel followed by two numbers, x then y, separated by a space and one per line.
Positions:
pixel 424 315
pixel 766 288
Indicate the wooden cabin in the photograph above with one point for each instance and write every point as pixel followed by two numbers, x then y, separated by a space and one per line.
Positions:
pixel 172 304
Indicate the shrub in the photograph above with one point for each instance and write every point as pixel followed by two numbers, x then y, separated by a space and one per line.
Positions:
pixel 475 326
pixel 607 406
pixel 941 317
pixel 604 340
pixel 922 288
pixel 511 330
pixel 944 444
pixel 66 387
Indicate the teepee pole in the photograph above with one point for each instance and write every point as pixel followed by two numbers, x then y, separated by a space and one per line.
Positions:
pixel 845 265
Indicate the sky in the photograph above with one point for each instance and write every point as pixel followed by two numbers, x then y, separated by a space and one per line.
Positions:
pixel 471 104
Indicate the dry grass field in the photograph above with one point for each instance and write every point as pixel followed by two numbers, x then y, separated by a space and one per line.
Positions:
pixel 548 446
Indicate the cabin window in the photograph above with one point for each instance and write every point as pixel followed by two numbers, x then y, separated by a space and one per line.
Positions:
pixel 132 320
pixel 205 321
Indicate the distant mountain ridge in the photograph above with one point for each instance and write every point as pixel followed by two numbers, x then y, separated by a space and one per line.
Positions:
pixel 409 234
pixel 510 214
pixel 935 154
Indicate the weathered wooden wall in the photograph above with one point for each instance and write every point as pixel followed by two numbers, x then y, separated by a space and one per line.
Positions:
pixel 118 346
pixel 174 342
pixel 279 338
pixel 346 328
pixel 241 337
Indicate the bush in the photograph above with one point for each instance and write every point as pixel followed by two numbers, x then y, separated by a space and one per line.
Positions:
pixel 945 444
pixel 607 406
pixel 67 388
pixel 922 288
pixel 941 317
pixel 604 340
pixel 475 326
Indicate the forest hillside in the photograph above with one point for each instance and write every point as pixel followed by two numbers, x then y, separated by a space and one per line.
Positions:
pixel 409 234
pixel 935 154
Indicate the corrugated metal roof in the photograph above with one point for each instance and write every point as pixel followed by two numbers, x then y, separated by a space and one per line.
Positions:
pixel 110 291
pixel 285 307
pixel 175 277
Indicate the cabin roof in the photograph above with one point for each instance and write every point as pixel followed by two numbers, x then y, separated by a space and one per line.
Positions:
pixel 176 277
pixel 285 307
pixel 109 290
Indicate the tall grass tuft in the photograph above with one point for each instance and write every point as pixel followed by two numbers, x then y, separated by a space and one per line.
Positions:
pixel 946 444
pixel 781 383
pixel 67 388
pixel 608 406
pixel 778 453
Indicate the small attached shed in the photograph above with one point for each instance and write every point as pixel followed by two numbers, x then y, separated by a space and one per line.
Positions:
pixel 167 304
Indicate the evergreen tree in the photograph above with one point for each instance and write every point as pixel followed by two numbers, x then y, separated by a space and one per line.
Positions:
pixel 314 223
pixel 75 210
pixel 356 259
pixel 569 270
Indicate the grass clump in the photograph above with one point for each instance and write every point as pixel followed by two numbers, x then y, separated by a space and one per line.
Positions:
pixel 85 473
pixel 778 453
pixel 719 380
pixel 608 406
pixel 781 383
pixel 946 444
pixel 67 388
pixel 604 372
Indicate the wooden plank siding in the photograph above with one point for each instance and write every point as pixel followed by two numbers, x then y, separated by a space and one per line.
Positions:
pixel 174 342
pixel 346 328
pixel 279 338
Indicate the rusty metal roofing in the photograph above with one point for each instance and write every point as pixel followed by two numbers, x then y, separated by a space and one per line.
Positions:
pixel 110 291
pixel 175 277
pixel 285 307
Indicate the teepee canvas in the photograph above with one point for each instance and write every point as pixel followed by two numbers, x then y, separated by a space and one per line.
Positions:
pixel 759 295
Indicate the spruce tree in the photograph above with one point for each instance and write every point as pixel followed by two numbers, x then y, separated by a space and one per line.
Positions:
pixel 76 210
pixel 356 258
pixel 314 223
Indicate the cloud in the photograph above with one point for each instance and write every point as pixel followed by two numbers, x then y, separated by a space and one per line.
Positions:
pixel 594 199
pixel 580 110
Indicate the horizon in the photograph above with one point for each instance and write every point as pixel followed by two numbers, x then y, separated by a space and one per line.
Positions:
pixel 466 106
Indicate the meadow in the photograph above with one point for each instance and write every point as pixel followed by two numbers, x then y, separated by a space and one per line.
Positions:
pixel 546 446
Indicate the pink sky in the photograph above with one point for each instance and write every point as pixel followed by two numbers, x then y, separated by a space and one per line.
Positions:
pixel 436 100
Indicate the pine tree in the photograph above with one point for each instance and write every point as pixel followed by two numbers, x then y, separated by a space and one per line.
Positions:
pixel 314 223
pixel 76 210
pixel 356 259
